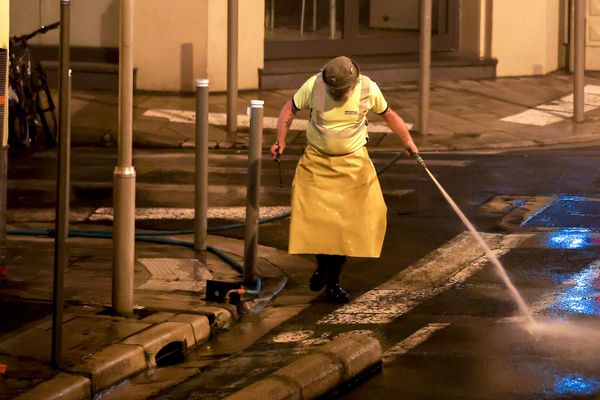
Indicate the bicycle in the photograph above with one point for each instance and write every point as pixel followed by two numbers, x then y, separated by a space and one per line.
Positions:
pixel 31 108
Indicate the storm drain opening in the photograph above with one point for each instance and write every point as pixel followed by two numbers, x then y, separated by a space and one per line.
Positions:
pixel 171 354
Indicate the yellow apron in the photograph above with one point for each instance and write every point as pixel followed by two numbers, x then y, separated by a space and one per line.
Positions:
pixel 337 205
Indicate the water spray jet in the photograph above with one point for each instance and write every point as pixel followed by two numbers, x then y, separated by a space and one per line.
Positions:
pixel 524 310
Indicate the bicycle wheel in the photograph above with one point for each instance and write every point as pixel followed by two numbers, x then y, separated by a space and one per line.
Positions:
pixel 20 129
pixel 47 116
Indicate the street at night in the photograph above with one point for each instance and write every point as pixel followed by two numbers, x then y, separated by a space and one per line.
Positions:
pixel 292 200
pixel 435 304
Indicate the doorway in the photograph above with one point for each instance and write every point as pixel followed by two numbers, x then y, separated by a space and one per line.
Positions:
pixel 326 28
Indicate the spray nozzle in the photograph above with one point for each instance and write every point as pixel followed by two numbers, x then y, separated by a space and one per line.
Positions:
pixel 417 157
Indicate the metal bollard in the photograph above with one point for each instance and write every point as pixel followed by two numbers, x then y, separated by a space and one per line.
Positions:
pixel 201 187
pixel 332 18
pixel 124 175
pixel 425 61
pixel 578 81
pixel 253 193
pixel 232 69
pixel 61 221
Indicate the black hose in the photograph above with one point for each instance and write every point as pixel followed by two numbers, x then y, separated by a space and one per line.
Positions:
pixel 138 237
pixel 149 236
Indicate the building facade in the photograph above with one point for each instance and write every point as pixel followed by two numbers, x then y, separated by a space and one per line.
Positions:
pixel 176 41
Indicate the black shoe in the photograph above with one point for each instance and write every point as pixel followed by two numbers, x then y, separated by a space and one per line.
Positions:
pixel 335 294
pixel 318 279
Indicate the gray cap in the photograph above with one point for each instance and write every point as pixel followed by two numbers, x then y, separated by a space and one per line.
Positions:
pixel 340 73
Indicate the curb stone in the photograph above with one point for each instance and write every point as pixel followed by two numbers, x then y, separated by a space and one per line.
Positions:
pixel 119 361
pixel 62 386
pixel 318 372
pixel 111 364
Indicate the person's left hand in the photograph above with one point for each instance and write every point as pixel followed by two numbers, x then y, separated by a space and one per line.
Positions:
pixel 411 149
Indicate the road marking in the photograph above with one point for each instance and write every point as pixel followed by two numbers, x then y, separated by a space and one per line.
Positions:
pixel 446 266
pixel 293 336
pixel 220 119
pixel 160 213
pixel 556 110
pixel 411 342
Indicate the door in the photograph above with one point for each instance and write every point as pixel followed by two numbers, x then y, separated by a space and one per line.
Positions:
pixel 325 28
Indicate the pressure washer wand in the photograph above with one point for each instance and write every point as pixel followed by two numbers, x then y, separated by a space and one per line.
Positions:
pixel 418 158
pixel 278 159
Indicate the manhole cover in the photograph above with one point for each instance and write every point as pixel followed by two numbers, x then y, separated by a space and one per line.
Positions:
pixel 568 212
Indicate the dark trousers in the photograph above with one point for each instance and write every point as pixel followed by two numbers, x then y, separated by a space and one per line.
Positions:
pixel 331 265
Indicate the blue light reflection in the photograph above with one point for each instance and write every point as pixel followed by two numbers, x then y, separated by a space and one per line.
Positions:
pixel 575 384
pixel 570 239
pixel 582 298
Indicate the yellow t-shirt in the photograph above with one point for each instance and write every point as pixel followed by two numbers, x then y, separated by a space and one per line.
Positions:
pixel 339 117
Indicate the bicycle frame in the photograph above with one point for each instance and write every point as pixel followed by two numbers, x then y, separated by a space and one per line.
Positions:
pixel 26 81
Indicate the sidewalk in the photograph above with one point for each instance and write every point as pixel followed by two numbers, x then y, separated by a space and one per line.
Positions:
pixel 100 349
pixel 465 115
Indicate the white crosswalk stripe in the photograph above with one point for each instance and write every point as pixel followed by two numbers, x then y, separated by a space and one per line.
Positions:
pixel 450 264
pixel 159 213
pixel 411 342
pixel 557 110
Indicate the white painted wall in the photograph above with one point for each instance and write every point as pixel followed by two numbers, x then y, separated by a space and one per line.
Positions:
pixel 525 42
pixel 251 37
pixel 170 44
pixel 94 23
pixel 592 61
pixel 174 42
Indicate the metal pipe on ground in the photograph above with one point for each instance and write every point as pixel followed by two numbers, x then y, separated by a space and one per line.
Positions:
pixel 201 187
pixel 256 111
pixel 62 184
pixel 124 175
pixel 578 81
pixel 425 63
pixel 232 69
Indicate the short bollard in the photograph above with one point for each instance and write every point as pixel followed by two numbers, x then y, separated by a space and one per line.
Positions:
pixel 61 224
pixel 253 193
pixel 201 183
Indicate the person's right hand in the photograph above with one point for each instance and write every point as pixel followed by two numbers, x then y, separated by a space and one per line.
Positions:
pixel 277 150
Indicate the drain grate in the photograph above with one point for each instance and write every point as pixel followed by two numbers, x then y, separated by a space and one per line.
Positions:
pixel 568 212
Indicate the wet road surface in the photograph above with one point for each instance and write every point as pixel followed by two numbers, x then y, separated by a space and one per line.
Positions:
pixel 455 336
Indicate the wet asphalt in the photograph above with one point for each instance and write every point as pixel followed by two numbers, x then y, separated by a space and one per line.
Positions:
pixel 482 350
pixel 465 342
